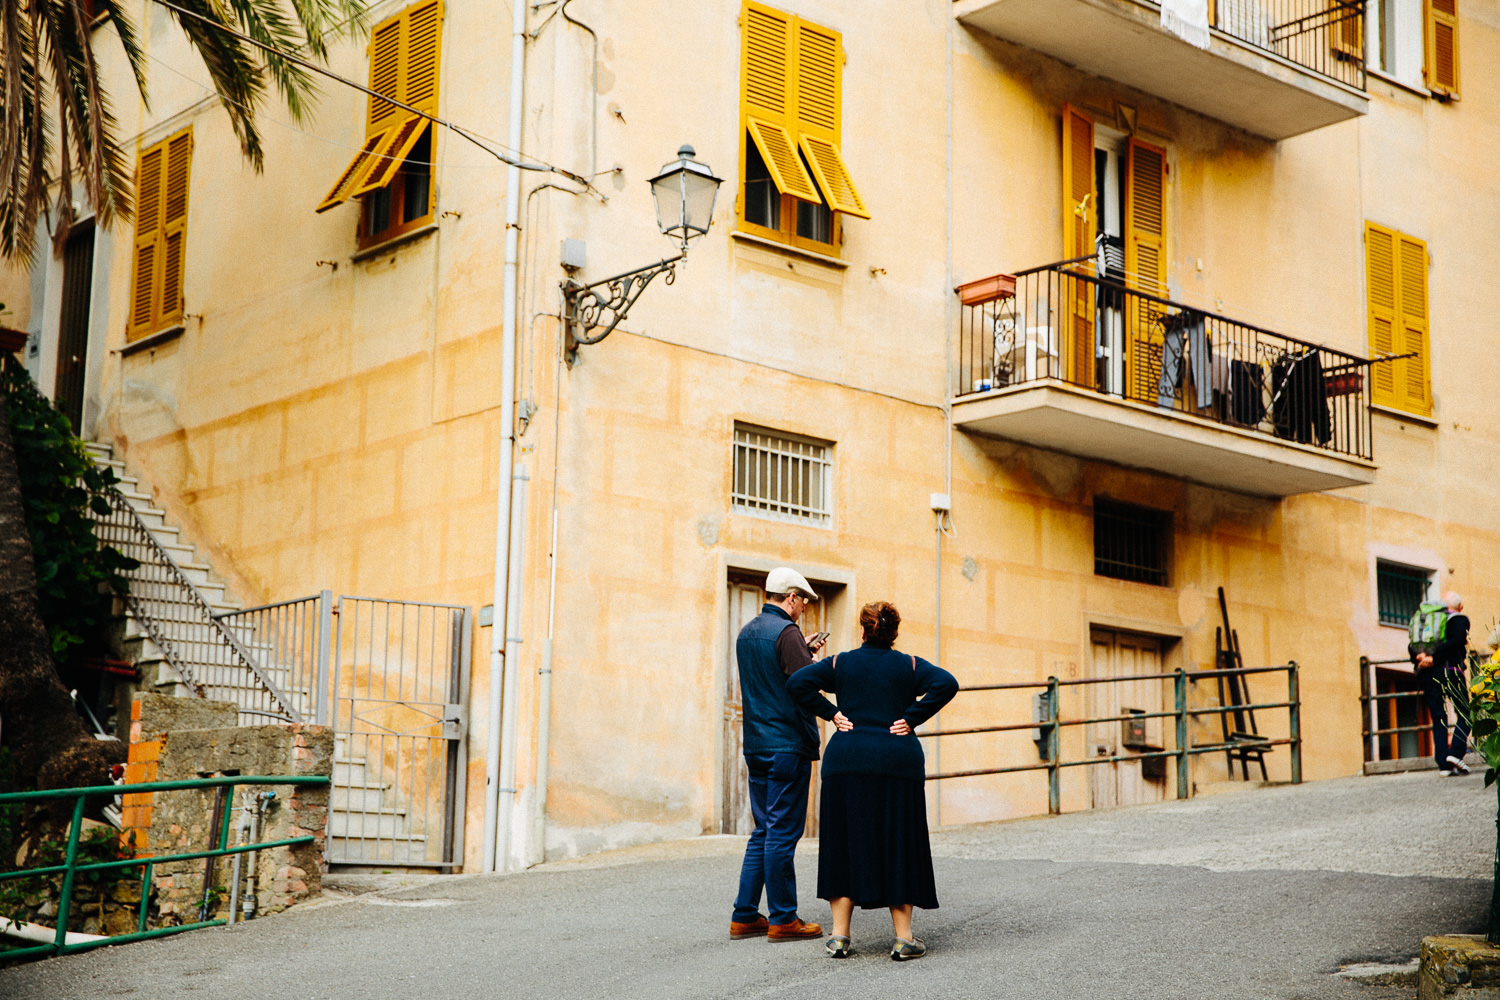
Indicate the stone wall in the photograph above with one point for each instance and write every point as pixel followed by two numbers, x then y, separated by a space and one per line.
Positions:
pixel 195 819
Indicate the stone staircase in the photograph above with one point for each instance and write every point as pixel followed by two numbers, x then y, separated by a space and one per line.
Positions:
pixel 367 823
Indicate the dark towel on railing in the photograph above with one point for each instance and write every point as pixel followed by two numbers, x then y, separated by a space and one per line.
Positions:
pixel 1300 407
pixel 1247 404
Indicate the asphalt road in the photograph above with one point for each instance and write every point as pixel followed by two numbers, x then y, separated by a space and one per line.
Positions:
pixel 1249 893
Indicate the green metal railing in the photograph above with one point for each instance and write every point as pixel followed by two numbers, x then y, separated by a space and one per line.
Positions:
pixel 70 867
pixel 1052 726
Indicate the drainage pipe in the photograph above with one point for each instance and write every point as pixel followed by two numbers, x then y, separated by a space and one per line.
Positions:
pixel 243 831
pixel 500 607
pixel 510 720
pixel 544 704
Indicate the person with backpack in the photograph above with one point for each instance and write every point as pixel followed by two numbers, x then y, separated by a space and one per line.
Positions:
pixel 1438 645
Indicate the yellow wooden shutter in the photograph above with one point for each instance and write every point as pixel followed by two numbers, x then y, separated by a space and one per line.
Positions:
pixel 768 97
pixel 158 253
pixel 1380 297
pixel 1348 28
pixel 1414 387
pixel 1079 205
pixel 148 191
pixel 1146 218
pixel 174 226
pixel 819 57
pixel 1441 37
pixel 405 64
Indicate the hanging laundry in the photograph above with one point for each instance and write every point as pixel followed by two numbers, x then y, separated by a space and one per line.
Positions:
pixel 1187 19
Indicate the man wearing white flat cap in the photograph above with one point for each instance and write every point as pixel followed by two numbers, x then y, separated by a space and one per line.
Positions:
pixel 781 742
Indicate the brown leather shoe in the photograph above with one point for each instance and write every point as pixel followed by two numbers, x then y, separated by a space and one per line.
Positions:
pixel 797 930
pixel 752 928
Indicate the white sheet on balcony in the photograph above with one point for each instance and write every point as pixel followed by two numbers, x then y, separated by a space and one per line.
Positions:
pixel 1187 19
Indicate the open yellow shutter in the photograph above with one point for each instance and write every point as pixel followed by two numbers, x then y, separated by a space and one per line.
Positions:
pixel 146 250
pixel 767 97
pixel 1348 28
pixel 389 155
pixel 174 225
pixel 385 73
pixel 366 159
pixel 1380 296
pixel 1414 388
pixel 420 62
pixel 819 62
pixel 1441 37
pixel 1078 207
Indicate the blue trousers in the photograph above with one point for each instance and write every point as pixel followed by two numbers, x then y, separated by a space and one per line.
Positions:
pixel 1437 684
pixel 778 801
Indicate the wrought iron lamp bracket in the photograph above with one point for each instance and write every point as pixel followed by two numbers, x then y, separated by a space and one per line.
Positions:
pixel 601 306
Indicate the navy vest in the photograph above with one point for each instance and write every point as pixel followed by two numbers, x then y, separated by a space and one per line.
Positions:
pixel 773 722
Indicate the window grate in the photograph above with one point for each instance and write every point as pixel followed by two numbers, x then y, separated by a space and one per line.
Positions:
pixel 1131 543
pixel 1398 591
pixel 782 476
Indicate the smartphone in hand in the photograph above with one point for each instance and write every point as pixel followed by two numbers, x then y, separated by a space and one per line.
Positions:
pixel 817 640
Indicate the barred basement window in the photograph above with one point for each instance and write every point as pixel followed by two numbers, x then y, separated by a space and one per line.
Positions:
pixel 1132 543
pixel 1398 591
pixel 782 476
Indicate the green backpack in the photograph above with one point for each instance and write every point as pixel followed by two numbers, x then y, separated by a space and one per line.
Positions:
pixel 1428 624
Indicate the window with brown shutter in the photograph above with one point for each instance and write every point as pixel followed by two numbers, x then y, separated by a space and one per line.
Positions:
pixel 158 254
pixel 391 173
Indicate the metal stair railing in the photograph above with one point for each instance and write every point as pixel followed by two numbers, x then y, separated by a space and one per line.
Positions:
pixel 180 621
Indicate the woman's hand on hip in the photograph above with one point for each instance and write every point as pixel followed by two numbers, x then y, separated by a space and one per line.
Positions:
pixel 841 722
pixel 900 728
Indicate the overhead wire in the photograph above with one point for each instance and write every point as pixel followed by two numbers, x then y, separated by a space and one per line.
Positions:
pixel 473 137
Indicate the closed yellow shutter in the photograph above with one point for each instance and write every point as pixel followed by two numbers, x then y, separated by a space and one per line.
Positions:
pixel 1079 205
pixel 1348 28
pixel 174 226
pixel 158 255
pixel 1396 290
pixel 1441 38
pixel 148 187
pixel 768 97
pixel 1146 218
pixel 1380 297
pixel 405 65
pixel 1415 386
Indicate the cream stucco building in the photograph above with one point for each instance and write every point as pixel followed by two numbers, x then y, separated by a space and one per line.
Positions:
pixel 319 397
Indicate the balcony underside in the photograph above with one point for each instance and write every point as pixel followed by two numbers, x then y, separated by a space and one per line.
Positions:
pixel 1054 415
pixel 1232 81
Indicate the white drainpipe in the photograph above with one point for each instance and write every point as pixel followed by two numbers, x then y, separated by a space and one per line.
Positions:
pixel 502 715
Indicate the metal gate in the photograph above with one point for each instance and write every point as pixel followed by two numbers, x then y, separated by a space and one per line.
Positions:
pixel 400 690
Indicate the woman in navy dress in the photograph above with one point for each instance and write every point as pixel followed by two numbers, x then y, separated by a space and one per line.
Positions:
pixel 873 849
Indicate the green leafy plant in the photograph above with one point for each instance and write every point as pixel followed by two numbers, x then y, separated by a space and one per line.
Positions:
pixel 59 485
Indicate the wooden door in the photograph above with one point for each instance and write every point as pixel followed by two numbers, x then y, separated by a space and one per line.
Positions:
pixel 1121 657
pixel 73 325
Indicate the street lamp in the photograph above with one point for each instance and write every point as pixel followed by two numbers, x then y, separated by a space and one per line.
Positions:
pixel 684 192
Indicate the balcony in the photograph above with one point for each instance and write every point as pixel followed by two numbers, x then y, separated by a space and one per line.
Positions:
pixel 1058 358
pixel 1275 68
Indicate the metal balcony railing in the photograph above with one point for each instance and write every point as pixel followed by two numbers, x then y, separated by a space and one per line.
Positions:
pixel 1324 36
pixel 1060 322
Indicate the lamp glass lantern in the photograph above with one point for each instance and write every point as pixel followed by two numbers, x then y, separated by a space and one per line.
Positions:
pixel 685 191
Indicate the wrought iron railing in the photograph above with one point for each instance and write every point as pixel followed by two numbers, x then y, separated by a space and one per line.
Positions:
pixel 1324 36
pixel 1061 322
pixel 210 657
pixel 291 641
pixel 1048 723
